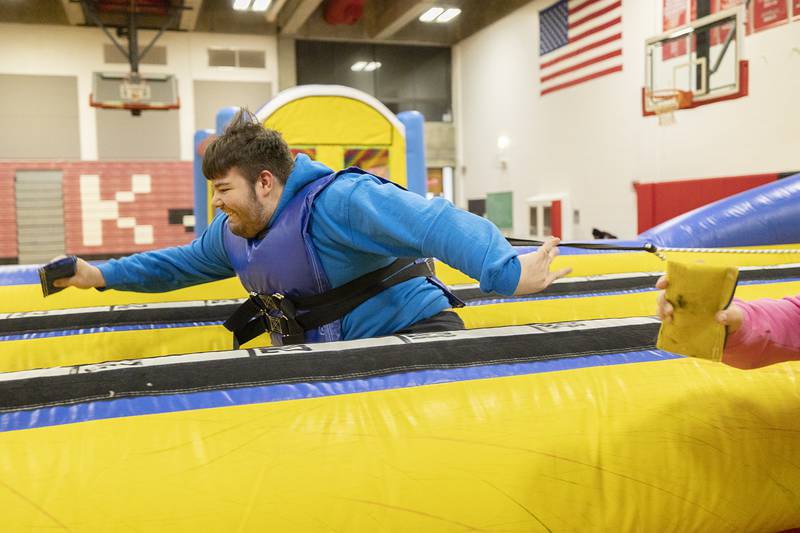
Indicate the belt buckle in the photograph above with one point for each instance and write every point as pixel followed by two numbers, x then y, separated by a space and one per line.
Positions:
pixel 284 305
pixel 275 302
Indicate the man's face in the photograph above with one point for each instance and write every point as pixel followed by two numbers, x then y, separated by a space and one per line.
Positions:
pixel 249 206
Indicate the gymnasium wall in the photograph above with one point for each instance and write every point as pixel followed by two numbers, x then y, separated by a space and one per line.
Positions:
pixel 66 51
pixel 591 140
pixel 139 167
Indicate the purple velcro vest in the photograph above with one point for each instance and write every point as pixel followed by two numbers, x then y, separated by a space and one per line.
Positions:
pixel 286 261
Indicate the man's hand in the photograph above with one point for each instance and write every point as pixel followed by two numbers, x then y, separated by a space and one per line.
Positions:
pixel 664 309
pixel 536 275
pixel 732 317
pixel 86 277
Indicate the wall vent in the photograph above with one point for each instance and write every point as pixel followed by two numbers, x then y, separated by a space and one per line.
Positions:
pixel 226 57
pixel 156 56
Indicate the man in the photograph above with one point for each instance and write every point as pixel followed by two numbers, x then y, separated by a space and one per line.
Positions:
pixel 295 228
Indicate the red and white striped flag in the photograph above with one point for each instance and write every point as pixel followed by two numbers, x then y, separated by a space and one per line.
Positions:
pixel 579 40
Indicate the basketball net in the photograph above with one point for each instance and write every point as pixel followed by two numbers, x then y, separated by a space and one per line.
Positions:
pixel 667 101
pixel 134 90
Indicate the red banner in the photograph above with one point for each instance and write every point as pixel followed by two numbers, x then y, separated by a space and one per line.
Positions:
pixel 769 13
pixel 796 8
pixel 674 16
pixel 721 5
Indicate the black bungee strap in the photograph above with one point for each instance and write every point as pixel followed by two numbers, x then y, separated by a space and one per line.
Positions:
pixel 287 319
pixel 646 247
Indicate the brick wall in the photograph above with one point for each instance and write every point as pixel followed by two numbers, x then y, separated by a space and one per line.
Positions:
pixel 110 208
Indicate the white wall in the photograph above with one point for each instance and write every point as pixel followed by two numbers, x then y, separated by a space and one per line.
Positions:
pixel 78 51
pixel 592 141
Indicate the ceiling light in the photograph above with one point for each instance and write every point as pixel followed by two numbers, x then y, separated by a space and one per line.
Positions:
pixel 372 65
pixel 358 66
pixel 241 5
pixel 261 5
pixel 431 14
pixel 449 15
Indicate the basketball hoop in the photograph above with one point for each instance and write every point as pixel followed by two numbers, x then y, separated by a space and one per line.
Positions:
pixel 667 101
pixel 134 91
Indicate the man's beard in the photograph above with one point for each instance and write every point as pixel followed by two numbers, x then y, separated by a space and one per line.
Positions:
pixel 253 225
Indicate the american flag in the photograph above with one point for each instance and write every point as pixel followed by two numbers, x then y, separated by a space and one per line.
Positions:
pixel 579 40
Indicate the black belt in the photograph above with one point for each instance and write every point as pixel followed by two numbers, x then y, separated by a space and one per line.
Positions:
pixel 287 319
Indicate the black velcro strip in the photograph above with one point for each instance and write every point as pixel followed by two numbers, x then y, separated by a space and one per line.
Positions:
pixel 34 322
pixel 643 281
pixel 135 378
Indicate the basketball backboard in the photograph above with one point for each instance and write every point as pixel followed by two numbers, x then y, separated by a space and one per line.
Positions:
pixel 696 64
pixel 135 92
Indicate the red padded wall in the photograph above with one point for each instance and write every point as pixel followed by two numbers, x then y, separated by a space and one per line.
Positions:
pixel 659 202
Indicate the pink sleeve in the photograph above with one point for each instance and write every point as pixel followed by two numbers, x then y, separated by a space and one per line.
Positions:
pixel 769 334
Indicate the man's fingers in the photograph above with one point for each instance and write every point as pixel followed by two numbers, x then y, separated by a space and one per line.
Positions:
pixel 662 282
pixel 62 282
pixel 550 244
pixel 557 275
pixel 664 308
pixel 723 318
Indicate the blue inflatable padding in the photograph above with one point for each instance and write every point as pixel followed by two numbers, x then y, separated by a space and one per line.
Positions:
pixel 19 275
pixel 566 250
pixel 200 186
pixel 416 170
pixel 769 214
pixel 224 117
pixel 98 410
pixel 24 274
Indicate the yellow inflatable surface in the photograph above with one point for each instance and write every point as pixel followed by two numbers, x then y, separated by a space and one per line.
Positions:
pixel 664 445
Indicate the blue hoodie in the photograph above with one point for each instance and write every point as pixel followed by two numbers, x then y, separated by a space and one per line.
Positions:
pixel 355 222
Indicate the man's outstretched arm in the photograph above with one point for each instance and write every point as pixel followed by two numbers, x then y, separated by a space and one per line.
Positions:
pixel 203 260
pixel 380 218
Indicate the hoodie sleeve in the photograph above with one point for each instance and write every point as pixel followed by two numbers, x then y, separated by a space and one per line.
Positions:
pixel 203 260
pixel 770 333
pixel 381 218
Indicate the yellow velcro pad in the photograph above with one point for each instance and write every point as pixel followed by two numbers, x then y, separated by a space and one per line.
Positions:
pixel 697 292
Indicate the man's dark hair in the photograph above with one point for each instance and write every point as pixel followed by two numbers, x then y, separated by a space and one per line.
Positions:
pixel 250 148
